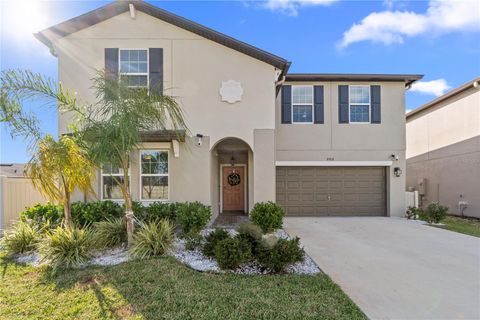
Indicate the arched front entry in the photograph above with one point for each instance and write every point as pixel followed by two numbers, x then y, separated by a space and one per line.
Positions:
pixel 232 176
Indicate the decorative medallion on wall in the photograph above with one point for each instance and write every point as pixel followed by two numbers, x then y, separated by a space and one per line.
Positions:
pixel 233 179
pixel 231 91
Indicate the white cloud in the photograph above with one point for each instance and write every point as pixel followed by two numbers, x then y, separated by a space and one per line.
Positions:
pixel 388 27
pixel 291 6
pixel 408 110
pixel 434 87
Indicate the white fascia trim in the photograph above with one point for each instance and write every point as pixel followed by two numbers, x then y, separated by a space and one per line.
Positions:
pixel 333 163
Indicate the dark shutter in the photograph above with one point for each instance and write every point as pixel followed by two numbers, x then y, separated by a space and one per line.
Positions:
pixel 318 104
pixel 343 104
pixel 155 62
pixel 287 104
pixel 111 63
pixel 376 106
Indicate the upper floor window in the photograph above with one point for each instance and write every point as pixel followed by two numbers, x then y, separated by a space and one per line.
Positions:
pixel 302 104
pixel 359 104
pixel 154 174
pixel 112 178
pixel 134 67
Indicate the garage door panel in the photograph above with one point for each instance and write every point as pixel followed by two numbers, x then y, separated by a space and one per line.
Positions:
pixel 318 191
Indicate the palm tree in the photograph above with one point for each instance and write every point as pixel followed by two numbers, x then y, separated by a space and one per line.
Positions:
pixel 109 129
pixel 58 168
pixel 116 123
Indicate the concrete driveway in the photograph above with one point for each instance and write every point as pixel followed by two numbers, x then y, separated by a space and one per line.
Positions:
pixel 396 269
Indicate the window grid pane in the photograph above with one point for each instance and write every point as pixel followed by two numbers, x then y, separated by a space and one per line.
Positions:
pixel 111 187
pixel 154 162
pixel 134 62
pixel 359 113
pixel 302 113
pixel 155 188
pixel 359 95
pixel 154 174
pixel 302 95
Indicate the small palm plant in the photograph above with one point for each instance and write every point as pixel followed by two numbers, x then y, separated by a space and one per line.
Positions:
pixel 57 167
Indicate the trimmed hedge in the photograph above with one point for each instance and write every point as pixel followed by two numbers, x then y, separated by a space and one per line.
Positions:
pixel 268 216
pixel 85 213
pixel 43 214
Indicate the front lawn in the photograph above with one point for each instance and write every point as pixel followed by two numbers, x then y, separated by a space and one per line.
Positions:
pixel 164 289
pixel 470 226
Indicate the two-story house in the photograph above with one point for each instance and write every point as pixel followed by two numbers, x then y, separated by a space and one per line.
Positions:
pixel 318 144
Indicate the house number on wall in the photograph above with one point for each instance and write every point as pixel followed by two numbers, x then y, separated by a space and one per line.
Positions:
pixel 330 159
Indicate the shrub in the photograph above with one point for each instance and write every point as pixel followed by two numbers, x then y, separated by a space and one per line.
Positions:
pixel 413 213
pixel 285 252
pixel 153 238
pixel 212 240
pixel 250 233
pixel 192 217
pixel 44 215
pixel 110 233
pixel 232 252
pixel 157 211
pixel 436 212
pixel 23 238
pixel 67 247
pixel 85 213
pixel 268 216
pixel 193 241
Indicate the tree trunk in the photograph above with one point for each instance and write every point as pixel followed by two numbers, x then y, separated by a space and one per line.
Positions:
pixel 66 211
pixel 129 218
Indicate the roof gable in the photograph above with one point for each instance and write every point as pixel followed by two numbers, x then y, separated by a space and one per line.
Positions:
pixel 118 7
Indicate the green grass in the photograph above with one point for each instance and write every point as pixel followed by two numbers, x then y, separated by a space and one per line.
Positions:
pixel 161 288
pixel 470 226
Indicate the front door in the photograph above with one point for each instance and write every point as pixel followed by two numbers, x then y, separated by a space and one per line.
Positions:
pixel 233 188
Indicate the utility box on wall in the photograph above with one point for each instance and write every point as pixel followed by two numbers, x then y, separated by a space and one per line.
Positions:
pixel 422 186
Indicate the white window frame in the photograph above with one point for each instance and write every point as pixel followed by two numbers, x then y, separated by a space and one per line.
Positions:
pixel 369 104
pixel 103 174
pixel 303 104
pixel 153 175
pixel 134 73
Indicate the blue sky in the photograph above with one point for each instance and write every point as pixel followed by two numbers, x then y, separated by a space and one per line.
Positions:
pixel 440 39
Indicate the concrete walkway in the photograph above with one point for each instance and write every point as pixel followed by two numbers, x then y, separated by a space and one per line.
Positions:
pixel 396 269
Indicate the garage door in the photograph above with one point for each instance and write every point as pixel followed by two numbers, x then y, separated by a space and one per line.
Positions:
pixel 332 191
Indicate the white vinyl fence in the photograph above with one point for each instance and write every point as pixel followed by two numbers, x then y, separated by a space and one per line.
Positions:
pixel 411 199
pixel 16 193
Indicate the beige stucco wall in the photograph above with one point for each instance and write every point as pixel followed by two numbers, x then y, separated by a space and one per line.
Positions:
pixel 443 146
pixel 194 68
pixel 351 142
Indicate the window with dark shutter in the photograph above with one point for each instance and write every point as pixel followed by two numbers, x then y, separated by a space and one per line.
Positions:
pixel 376 104
pixel 111 63
pixel 318 104
pixel 156 70
pixel 343 102
pixel 286 104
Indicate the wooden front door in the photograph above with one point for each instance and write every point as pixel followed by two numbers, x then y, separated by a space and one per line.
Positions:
pixel 233 188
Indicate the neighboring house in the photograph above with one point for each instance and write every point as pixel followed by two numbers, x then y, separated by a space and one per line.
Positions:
pixel 443 149
pixel 258 133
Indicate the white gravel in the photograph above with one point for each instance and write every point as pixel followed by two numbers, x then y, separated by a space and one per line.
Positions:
pixel 197 261
pixel 110 257
pixel 31 258
pixel 191 258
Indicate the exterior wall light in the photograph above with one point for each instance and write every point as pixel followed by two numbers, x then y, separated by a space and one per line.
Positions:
pixel 397 172
pixel 199 137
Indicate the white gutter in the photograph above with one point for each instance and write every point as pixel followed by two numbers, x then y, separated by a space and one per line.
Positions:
pixel 333 163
